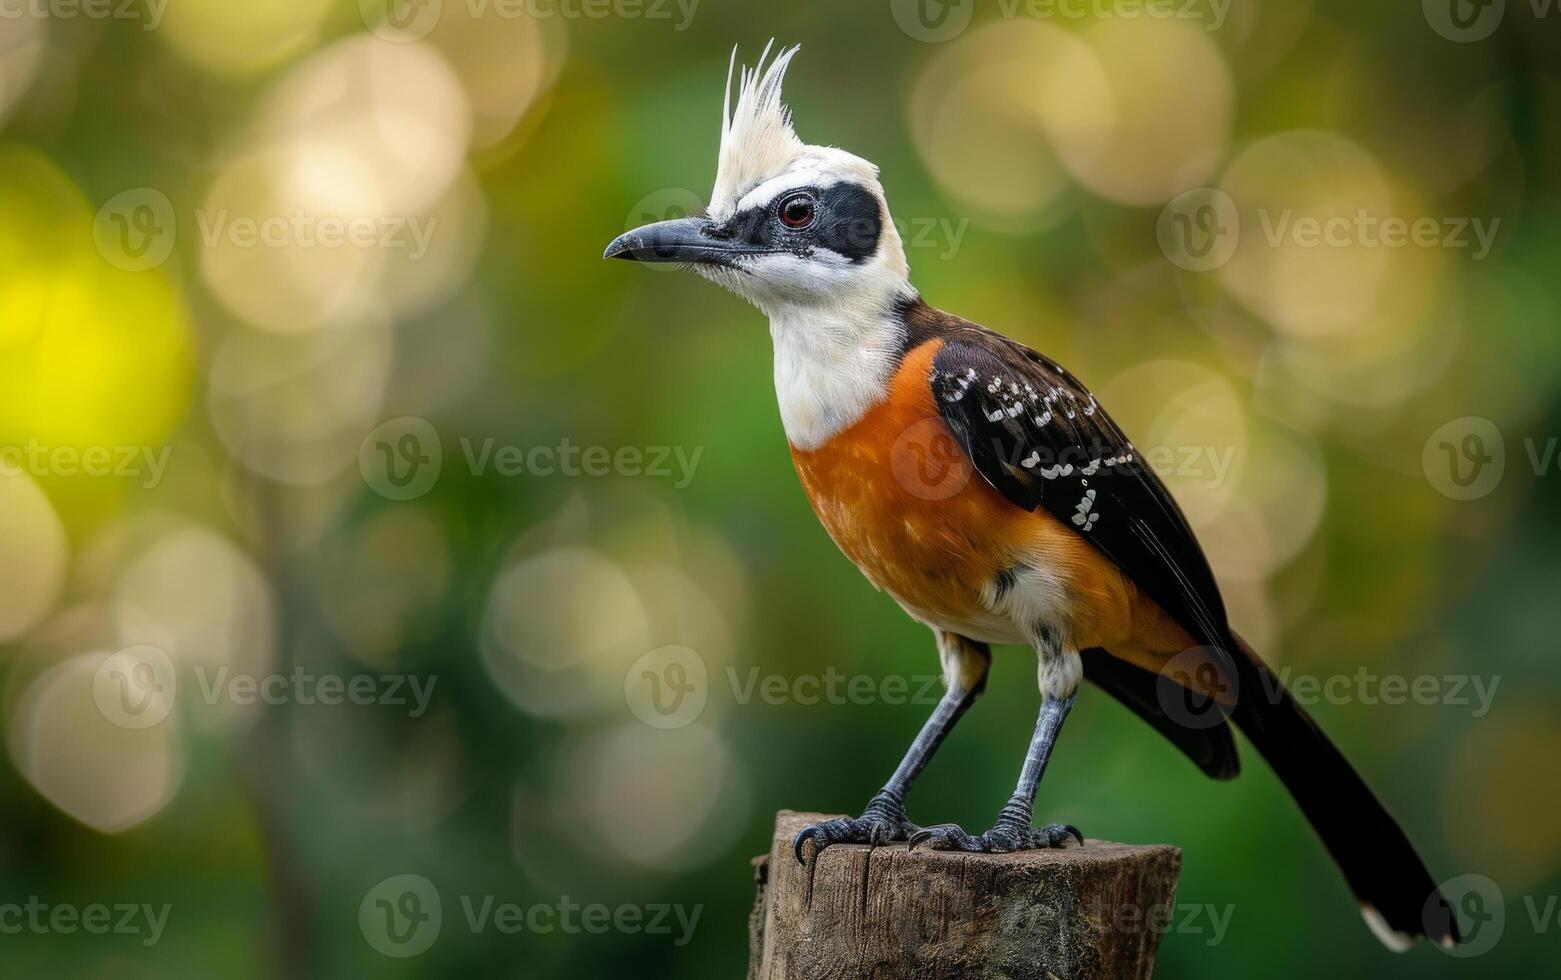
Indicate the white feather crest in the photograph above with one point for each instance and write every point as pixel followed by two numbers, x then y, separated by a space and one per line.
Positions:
pixel 757 140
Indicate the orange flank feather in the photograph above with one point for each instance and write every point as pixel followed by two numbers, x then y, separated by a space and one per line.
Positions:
pixel 903 501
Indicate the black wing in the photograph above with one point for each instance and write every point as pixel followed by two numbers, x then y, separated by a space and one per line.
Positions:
pixel 1037 435
pixel 1211 748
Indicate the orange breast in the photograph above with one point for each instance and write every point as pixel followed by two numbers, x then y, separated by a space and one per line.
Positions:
pixel 902 500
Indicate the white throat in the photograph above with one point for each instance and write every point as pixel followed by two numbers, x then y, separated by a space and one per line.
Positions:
pixel 832 366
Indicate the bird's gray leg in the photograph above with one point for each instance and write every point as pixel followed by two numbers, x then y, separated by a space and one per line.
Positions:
pixel 1060 671
pixel 965 665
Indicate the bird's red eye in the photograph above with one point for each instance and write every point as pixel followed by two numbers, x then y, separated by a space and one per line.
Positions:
pixel 797 212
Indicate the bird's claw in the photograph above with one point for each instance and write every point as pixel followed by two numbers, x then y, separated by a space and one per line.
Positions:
pixel 882 823
pixel 1004 837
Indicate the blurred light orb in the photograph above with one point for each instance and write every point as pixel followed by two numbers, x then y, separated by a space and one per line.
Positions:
pixel 38 204
pixel 1402 347
pixel 556 626
pixel 1280 271
pixel 269 252
pixel 33 553
pixel 227 38
pixel 106 776
pixel 1251 613
pixel 1285 481
pixel 23 38
pixel 393 117
pixel 1189 426
pixel 1498 811
pixel 666 800
pixel 1154 119
pixel 681 609
pixel 501 62
pixel 1259 34
pixel 296 409
pixel 195 595
pixel 436 256
pixel 983 110
pixel 90 355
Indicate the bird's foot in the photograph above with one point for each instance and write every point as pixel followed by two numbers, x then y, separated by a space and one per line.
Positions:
pixel 882 822
pixel 1012 832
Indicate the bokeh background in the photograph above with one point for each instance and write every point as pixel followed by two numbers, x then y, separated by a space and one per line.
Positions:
pixel 255 447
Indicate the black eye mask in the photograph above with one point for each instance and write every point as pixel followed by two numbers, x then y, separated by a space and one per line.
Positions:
pixel 848 222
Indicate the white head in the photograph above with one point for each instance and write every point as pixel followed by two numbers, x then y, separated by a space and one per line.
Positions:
pixel 793 228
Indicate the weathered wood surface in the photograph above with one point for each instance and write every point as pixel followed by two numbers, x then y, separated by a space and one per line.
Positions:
pixel 888 913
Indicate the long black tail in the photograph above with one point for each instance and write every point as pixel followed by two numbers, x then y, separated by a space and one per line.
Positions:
pixel 1398 897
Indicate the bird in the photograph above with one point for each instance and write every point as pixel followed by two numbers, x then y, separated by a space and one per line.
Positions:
pixel 984 488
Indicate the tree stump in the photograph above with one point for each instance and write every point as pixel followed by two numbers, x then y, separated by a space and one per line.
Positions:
pixel 891 913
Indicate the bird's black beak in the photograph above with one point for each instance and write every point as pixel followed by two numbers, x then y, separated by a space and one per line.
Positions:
pixel 680 240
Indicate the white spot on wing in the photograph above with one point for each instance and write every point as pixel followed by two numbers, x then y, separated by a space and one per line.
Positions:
pixel 1085 516
pixel 1394 940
